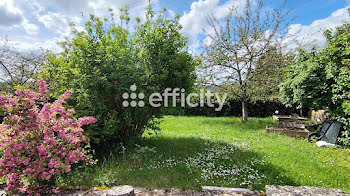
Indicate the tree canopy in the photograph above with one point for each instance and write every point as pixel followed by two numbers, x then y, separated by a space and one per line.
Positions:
pixel 234 55
pixel 107 58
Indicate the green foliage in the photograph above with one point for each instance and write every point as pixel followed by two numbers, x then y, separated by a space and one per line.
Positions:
pixel 102 62
pixel 264 81
pixel 320 79
pixel 305 83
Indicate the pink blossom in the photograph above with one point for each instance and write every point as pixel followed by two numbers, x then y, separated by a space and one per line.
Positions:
pixel 13 101
pixel 42 87
pixel 87 121
pixel 38 143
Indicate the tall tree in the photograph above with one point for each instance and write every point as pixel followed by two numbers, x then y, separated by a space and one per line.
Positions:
pixel 236 46
pixel 18 68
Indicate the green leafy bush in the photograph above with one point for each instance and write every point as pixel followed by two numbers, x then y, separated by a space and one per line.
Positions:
pixel 105 59
pixel 321 79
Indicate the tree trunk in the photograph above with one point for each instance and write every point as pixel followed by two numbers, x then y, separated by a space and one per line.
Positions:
pixel 244 111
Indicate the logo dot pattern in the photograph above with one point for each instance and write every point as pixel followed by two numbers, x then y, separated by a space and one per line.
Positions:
pixel 133 96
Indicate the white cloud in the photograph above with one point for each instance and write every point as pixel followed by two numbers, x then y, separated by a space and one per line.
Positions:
pixel 30 29
pixel 195 21
pixel 223 10
pixel 54 15
pixel 32 43
pixel 311 35
pixel 30 7
pixel 171 13
pixel 9 14
pixel 54 21
pixel 75 7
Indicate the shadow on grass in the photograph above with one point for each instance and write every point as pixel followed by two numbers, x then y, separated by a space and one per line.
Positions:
pixel 186 163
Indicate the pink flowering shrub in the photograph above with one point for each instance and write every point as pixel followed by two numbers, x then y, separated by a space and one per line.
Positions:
pixel 38 139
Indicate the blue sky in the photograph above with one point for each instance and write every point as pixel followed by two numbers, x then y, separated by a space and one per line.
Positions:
pixel 30 24
pixel 307 10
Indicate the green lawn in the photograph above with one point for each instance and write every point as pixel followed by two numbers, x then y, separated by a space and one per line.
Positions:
pixel 193 151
